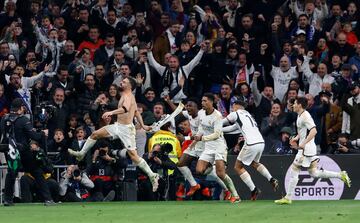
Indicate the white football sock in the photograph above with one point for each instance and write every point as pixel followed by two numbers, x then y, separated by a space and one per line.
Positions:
pixel 324 174
pixel 145 167
pixel 229 183
pixel 246 178
pixel 217 179
pixel 265 172
pixel 89 143
pixel 294 178
pixel 186 172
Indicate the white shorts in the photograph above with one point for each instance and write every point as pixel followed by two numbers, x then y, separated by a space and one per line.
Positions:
pixel 126 133
pixel 210 155
pixel 248 154
pixel 195 152
pixel 304 161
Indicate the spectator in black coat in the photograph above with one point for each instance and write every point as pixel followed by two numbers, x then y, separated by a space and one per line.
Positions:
pixel 88 94
pixel 61 112
pixel 103 54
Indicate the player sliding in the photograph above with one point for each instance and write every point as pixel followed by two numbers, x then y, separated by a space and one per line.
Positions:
pixel 306 156
pixel 215 149
pixel 123 129
pixel 252 150
pixel 192 113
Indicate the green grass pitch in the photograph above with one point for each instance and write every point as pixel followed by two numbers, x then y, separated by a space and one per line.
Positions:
pixel 185 211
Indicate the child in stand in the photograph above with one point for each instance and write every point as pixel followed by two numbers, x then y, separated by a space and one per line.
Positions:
pixel 72 125
pixel 351 37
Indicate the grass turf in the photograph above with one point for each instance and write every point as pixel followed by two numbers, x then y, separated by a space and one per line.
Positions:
pixel 185 212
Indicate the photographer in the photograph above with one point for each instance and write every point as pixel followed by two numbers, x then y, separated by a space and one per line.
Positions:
pixel 19 129
pixel 102 172
pixel 159 162
pixel 343 146
pixel 75 185
pixel 27 182
pixel 281 146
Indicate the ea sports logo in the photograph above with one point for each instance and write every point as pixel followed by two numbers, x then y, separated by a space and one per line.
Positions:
pixel 309 188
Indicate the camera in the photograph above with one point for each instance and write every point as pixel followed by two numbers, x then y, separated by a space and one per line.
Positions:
pixel 165 149
pixel 44 111
pixel 102 153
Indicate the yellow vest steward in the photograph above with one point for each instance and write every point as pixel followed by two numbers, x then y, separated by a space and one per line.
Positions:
pixel 162 137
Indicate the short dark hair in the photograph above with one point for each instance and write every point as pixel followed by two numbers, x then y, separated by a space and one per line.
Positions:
pixel 118 49
pixel 302 101
pixel 149 89
pixel 161 104
pixel 194 100
pixel 132 82
pixel 210 96
pixel 110 35
pixel 249 15
pixel 62 67
pixel 303 15
pixel 59 130
pixel 166 126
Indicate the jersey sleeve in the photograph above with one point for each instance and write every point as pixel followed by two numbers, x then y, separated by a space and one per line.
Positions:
pixel 308 122
pixel 185 114
pixel 231 118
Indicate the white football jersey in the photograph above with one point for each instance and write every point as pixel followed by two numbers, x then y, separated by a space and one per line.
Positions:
pixel 304 124
pixel 194 122
pixel 210 124
pixel 247 125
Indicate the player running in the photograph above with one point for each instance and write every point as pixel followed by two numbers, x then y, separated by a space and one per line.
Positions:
pixel 306 156
pixel 192 113
pixel 215 149
pixel 123 129
pixel 252 150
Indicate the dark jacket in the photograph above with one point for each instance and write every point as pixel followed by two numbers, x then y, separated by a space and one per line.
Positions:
pixel 318 113
pixel 354 112
pixel 24 132
pixel 101 56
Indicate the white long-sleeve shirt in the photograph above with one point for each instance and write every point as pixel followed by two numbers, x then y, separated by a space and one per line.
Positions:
pixel 318 14
pixel 314 79
pixel 187 70
pixel 28 82
pixel 282 80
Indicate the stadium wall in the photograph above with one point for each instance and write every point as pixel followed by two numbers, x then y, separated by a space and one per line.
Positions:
pixel 308 188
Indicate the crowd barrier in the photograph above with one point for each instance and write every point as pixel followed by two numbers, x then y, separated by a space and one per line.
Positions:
pixel 307 188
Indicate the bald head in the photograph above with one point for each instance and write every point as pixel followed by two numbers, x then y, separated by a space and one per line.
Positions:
pixel 322 70
pixel 326 87
pixel 310 99
pixel 341 39
pixel 284 63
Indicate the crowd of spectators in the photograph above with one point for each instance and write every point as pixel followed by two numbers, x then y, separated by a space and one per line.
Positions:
pixel 66 58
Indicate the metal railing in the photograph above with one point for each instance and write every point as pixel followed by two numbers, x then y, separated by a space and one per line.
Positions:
pixel 57 170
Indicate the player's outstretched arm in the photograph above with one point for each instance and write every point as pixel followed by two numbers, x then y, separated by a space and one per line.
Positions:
pixel 141 121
